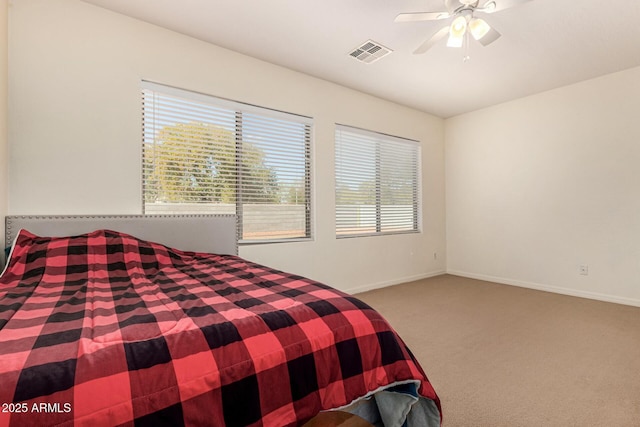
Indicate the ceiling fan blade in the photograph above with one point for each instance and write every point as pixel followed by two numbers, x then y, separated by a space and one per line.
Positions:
pixel 493 6
pixel 421 16
pixel 428 44
pixel 491 36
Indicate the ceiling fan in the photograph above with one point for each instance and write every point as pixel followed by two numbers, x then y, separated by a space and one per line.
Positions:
pixel 464 22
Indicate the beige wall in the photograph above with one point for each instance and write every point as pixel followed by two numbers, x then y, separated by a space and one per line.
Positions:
pixel 538 187
pixel 75 72
pixel 4 166
pixel 535 188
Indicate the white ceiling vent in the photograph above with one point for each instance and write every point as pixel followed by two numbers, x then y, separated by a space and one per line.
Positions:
pixel 369 52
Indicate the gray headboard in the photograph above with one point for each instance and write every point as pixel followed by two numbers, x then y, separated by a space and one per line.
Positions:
pixel 200 233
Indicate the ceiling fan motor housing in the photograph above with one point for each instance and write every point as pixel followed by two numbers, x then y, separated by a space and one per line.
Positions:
pixel 469 3
pixel 457 5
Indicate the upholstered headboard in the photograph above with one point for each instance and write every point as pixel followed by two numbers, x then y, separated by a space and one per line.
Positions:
pixel 200 233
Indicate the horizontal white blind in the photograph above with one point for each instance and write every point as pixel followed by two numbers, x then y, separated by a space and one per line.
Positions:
pixel 204 154
pixel 377 183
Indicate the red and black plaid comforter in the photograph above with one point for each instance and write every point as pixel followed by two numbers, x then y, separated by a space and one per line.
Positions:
pixel 107 329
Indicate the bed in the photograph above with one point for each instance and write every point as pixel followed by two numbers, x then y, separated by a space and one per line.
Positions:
pixel 155 320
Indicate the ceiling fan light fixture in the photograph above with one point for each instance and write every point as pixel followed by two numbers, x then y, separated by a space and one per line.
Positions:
pixel 464 25
pixel 456 32
pixel 478 28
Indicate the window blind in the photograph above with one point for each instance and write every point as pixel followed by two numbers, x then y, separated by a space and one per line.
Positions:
pixel 377 183
pixel 205 154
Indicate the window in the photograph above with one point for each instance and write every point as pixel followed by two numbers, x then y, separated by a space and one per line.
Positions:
pixel 377 182
pixel 208 155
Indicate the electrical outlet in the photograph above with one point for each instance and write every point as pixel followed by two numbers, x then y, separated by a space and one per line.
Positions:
pixel 435 255
pixel 583 270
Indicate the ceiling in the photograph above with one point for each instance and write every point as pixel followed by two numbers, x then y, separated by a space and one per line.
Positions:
pixel 545 44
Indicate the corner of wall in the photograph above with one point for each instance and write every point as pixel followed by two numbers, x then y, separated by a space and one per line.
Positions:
pixel 4 162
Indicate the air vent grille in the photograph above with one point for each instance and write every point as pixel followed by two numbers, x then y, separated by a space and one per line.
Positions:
pixel 369 52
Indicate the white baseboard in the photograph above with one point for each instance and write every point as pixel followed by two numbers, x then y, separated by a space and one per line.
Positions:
pixel 378 285
pixel 549 288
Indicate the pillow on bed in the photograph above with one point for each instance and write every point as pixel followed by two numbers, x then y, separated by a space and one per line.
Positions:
pixel 7 253
pixel 5 260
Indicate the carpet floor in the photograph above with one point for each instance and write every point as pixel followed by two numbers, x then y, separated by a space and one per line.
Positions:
pixel 500 355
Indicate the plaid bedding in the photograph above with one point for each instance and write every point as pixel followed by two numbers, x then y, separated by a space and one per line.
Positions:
pixel 105 329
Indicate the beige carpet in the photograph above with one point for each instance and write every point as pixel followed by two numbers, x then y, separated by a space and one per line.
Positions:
pixel 500 355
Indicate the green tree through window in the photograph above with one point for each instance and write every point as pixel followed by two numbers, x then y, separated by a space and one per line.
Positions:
pixel 180 170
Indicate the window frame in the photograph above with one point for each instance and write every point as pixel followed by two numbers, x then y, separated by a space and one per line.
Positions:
pixel 377 139
pixel 240 108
